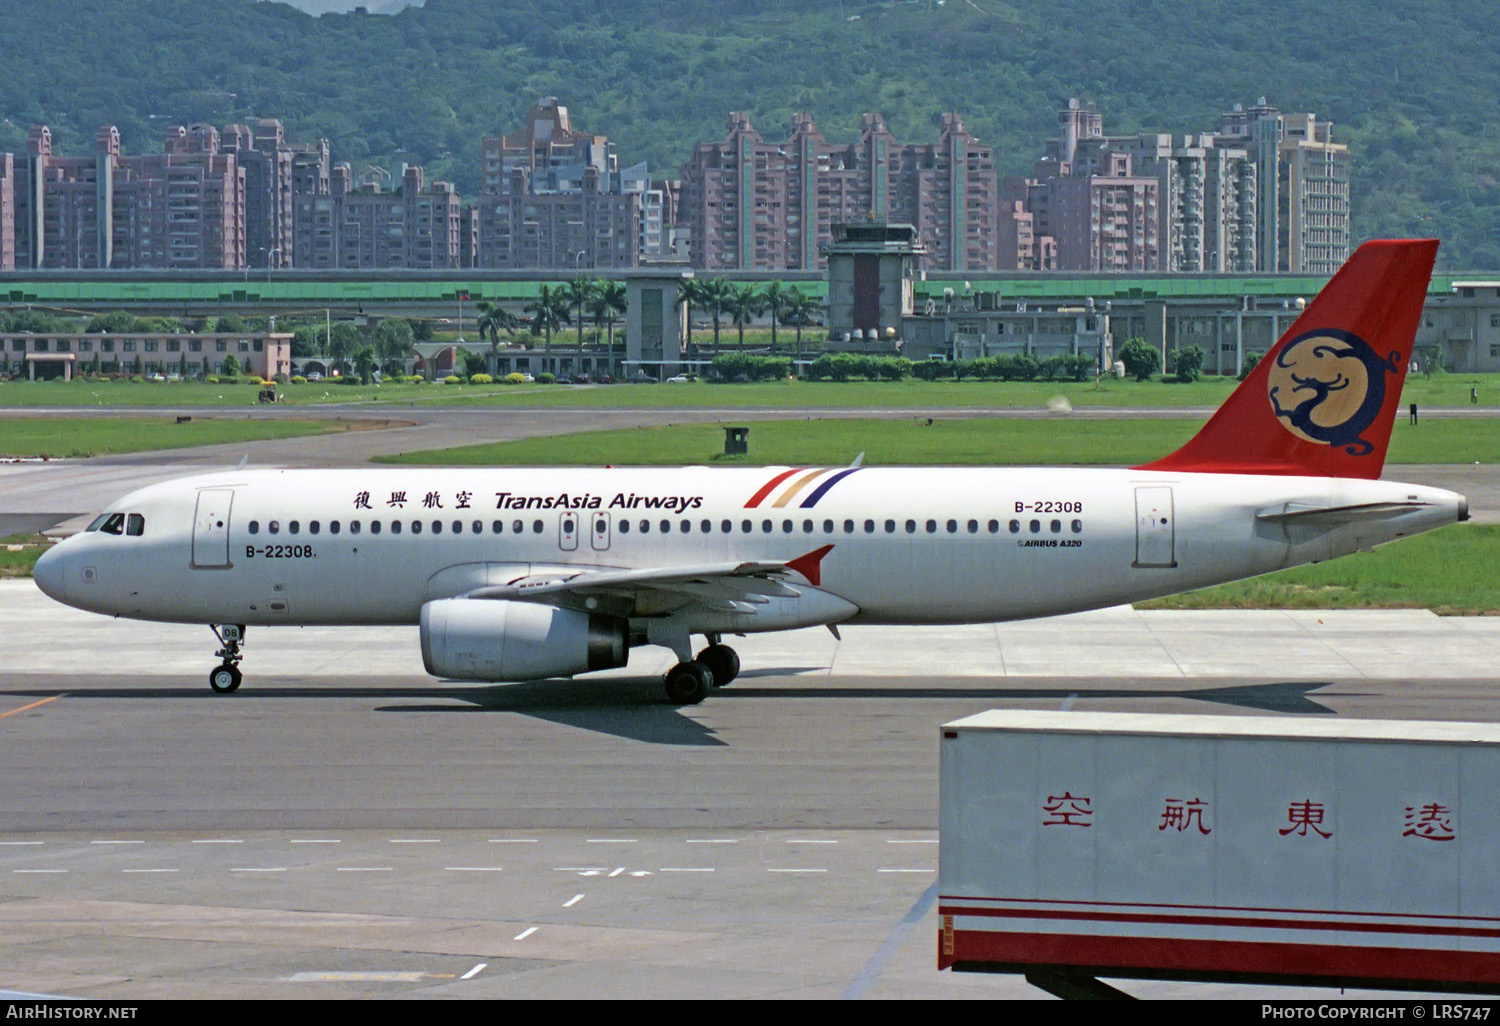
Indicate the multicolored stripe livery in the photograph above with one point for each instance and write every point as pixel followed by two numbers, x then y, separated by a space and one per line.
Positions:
pixel 809 485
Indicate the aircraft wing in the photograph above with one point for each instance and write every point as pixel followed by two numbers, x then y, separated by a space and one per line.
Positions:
pixel 729 587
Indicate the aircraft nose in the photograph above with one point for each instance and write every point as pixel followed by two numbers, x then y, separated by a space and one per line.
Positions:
pixel 49 574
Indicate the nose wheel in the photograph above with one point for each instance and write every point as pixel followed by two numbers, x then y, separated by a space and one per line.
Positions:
pixel 226 677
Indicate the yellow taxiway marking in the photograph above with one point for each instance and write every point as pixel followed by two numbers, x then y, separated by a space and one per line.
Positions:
pixel 33 705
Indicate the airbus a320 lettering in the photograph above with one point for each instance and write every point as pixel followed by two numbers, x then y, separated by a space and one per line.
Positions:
pixel 519 574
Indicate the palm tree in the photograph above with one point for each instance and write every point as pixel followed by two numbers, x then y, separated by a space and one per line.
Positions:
pixel 689 291
pixel 774 300
pixel 717 292
pixel 799 311
pixel 744 306
pixel 493 319
pixel 576 294
pixel 548 313
pixel 608 303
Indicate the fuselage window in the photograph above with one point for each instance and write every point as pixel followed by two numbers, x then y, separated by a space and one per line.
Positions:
pixel 745 526
pixel 416 527
pixel 765 527
pixel 973 527
pixel 1056 526
pixel 848 527
pixel 624 526
pixel 869 527
pixel 314 527
pixel 911 527
pixel 1036 527
pixel 953 527
pixel 932 527
pixel 437 527
pixel 994 527
pixel 135 525
pixel 293 528
pixel 537 527
pixel 395 527
pixel 706 526
pixel 498 527
pixel 114 525
pixel 828 527
pixel 645 527
pixel 255 527
pixel 786 527
pixel 354 527
pixel 1015 527
pixel 890 527
pixel 333 527
pixel 686 527
pixel 476 526
pixel 1078 527
pixel 274 527
pixel 726 526
pixel 374 527
pixel 666 527
pixel 517 526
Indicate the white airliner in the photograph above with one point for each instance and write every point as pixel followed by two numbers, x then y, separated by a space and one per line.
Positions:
pixel 517 574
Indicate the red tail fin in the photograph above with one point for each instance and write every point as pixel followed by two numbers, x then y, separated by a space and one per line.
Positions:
pixel 1323 400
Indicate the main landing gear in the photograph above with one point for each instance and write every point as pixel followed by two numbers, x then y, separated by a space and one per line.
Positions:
pixel 689 682
pixel 226 676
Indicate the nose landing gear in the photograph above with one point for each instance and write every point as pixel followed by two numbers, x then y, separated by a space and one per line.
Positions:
pixel 226 676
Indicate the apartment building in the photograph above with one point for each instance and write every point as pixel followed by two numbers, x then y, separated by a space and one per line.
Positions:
pixel 750 204
pixel 7 212
pixel 415 226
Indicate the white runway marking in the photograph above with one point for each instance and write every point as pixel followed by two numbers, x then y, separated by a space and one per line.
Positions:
pixel 525 933
pixel 117 842
pixel 514 840
pixel 712 840
pixel 38 870
pixel 906 870
pixel 617 872
pixel 257 869
pixel 474 971
pixel 416 840
pixel 922 840
pixel 808 840
pixel 472 869
pixel 579 869
pixel 687 869
pixel 575 899
pixel 611 840
pixel 19 843
pixel 148 870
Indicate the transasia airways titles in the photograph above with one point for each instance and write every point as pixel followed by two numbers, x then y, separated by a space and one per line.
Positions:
pixel 570 569
pixel 620 500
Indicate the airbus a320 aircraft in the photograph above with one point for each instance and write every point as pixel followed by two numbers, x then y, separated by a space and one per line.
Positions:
pixel 521 574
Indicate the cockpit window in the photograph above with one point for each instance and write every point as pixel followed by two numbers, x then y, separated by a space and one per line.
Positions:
pixel 99 520
pixel 113 524
pixel 135 525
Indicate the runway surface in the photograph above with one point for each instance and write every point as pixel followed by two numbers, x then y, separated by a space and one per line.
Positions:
pixel 346 826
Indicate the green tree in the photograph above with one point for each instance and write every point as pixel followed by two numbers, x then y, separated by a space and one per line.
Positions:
pixel 342 342
pixel 230 324
pixel 549 312
pixel 717 294
pixel 689 294
pixel 364 363
pixel 577 292
pixel 229 366
pixel 493 319
pixel 393 341
pixel 799 310
pixel 609 304
pixel 774 298
pixel 1188 363
pixel 744 306
pixel 1140 358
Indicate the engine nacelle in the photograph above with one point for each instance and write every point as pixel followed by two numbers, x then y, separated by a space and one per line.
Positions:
pixel 484 639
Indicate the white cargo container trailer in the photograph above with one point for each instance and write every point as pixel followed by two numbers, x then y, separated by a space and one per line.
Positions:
pixel 1235 848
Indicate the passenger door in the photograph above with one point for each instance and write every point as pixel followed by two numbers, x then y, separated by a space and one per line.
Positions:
pixel 211 529
pixel 1155 533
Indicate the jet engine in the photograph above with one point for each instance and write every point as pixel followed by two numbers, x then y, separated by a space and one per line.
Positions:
pixel 492 639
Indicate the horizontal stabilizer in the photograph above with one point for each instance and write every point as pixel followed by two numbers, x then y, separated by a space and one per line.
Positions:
pixel 1342 514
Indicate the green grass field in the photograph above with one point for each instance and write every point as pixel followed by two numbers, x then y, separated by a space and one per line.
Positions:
pixel 1440 390
pixel 1451 571
pixel 19 553
pixel 69 437
pixel 1051 441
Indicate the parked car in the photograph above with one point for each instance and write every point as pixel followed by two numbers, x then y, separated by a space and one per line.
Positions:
pixel 680 379
pixel 315 376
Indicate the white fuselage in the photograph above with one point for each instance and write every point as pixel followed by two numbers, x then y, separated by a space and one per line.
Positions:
pixel 909 545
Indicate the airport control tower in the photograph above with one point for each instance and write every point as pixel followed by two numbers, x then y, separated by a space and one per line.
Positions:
pixel 870 270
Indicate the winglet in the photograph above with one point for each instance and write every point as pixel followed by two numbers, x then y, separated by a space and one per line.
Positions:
pixel 810 564
pixel 244 462
pixel 859 461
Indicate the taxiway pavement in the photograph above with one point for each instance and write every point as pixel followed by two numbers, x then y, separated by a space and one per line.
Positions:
pixel 346 826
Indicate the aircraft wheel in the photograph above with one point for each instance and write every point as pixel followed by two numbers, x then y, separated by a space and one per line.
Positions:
pixel 224 679
pixel 722 661
pixel 688 683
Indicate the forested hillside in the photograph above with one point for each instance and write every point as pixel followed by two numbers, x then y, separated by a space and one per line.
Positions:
pixel 1412 85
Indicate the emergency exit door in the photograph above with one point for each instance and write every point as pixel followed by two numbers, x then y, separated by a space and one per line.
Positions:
pixel 600 531
pixel 567 532
pixel 1155 532
pixel 211 528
